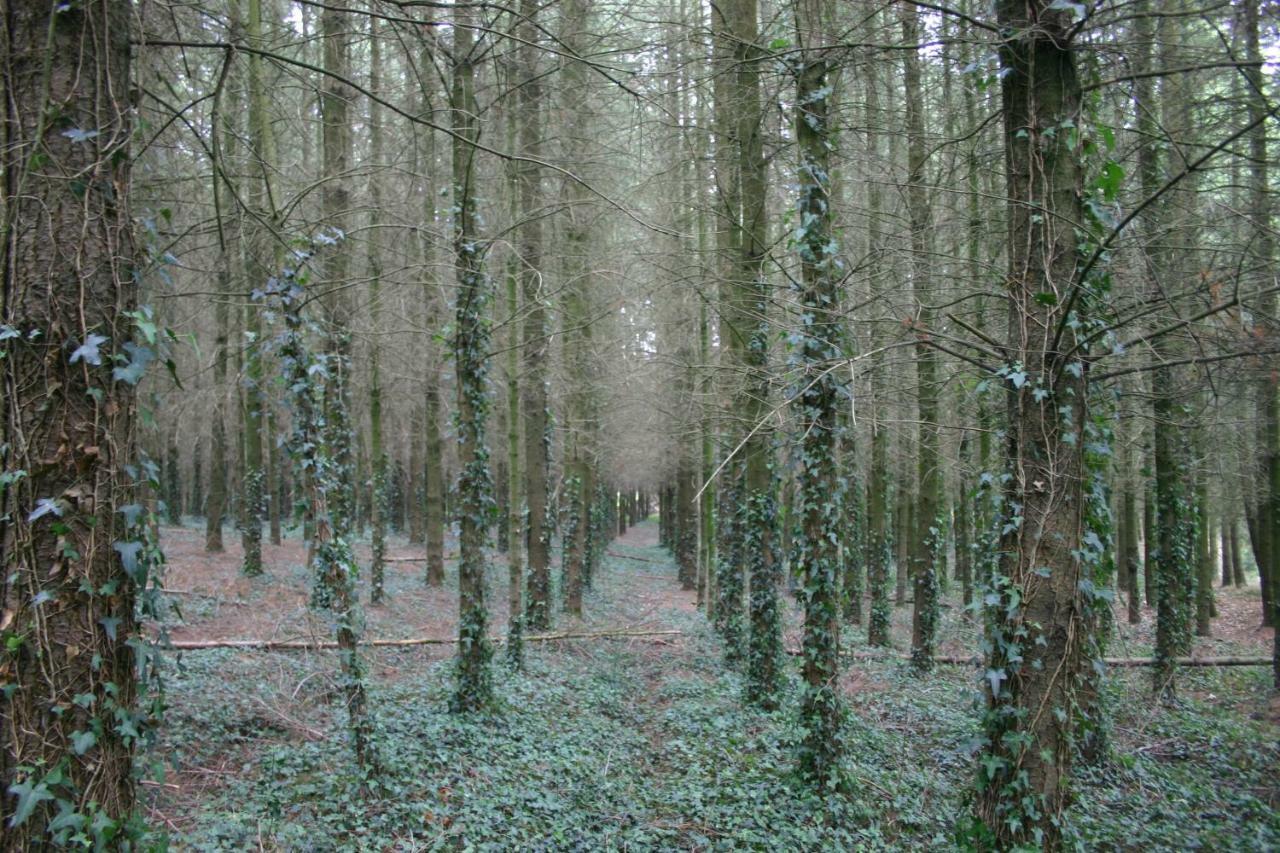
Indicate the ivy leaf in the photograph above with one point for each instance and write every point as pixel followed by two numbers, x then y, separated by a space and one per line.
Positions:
pixel 89 350
pixel 129 552
pixel 1110 180
pixel 75 134
pixel 995 676
pixel 82 742
pixel 139 358
pixel 110 624
pixel 29 796
pixel 44 506
pixel 131 513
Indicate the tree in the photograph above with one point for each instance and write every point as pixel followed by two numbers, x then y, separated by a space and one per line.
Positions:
pixel 474 689
pixel 1036 628
pixel 73 536
pixel 534 346
pixel 819 499
pixel 927 538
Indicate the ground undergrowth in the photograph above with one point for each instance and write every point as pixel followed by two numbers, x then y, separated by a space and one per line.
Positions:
pixel 644 744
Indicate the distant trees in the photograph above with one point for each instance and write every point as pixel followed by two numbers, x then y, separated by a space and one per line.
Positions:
pixel 785 277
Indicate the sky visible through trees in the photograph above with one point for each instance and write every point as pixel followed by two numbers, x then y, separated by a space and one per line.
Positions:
pixel 748 424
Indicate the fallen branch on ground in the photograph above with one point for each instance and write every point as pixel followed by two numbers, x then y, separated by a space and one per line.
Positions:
pixel 317 645
pixel 1119 663
pixel 629 557
pixel 213 595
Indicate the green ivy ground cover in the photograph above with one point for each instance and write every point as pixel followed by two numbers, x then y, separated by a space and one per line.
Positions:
pixel 645 745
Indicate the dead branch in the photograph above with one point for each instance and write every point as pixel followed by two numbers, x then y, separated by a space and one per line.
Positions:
pixel 317 645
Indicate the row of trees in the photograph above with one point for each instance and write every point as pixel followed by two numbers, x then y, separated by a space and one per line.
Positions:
pixel 686 238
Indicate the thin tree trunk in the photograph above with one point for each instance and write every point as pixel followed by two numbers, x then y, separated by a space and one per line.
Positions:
pixel 928 537
pixel 533 390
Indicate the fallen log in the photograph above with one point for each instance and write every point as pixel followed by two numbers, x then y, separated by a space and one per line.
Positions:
pixel 319 645
pixel 1118 663
pixel 629 557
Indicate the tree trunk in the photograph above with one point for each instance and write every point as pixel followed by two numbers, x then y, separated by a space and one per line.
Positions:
pixel 819 491
pixel 254 484
pixel 928 538
pixel 1037 628
pixel 533 390
pixel 379 505
pixel 474 682
pixel 436 482
pixel 68 279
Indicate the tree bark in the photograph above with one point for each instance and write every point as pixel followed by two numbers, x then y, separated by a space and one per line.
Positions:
pixel 1037 628
pixel 474 681
pixel 68 535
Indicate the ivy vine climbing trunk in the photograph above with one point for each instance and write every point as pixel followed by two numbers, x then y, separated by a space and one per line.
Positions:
pixel 474 687
pixel 1036 622
pixel 330 549
pixel 751 496
pixel 819 499
pixel 72 533
pixel 335 204
pixel 1173 572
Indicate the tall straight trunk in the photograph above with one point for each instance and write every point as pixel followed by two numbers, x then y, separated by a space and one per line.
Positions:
pixel 1038 626
pixel 172 481
pixel 687 516
pixel 964 526
pixel 275 480
pixel 879 530
pixel 415 485
pixel 1269 410
pixel 474 682
pixel 819 491
pixel 378 496
pixel 1224 548
pixel 195 495
pixel 330 554
pixel 904 524
pixel 580 448
pixel 216 503
pixel 728 607
pixel 335 204
pixel 436 483
pixel 1237 562
pixel 1174 573
pixel 707 504
pixel 747 319
pixel 533 391
pixel 1149 539
pixel 68 260
pixel 515 476
pixel 928 539
pixel 260 257
pixel 1129 560
pixel 1203 554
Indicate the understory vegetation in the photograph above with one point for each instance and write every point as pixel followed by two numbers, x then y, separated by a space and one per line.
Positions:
pixel 644 743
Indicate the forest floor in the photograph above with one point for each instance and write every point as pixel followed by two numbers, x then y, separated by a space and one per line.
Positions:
pixel 642 743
